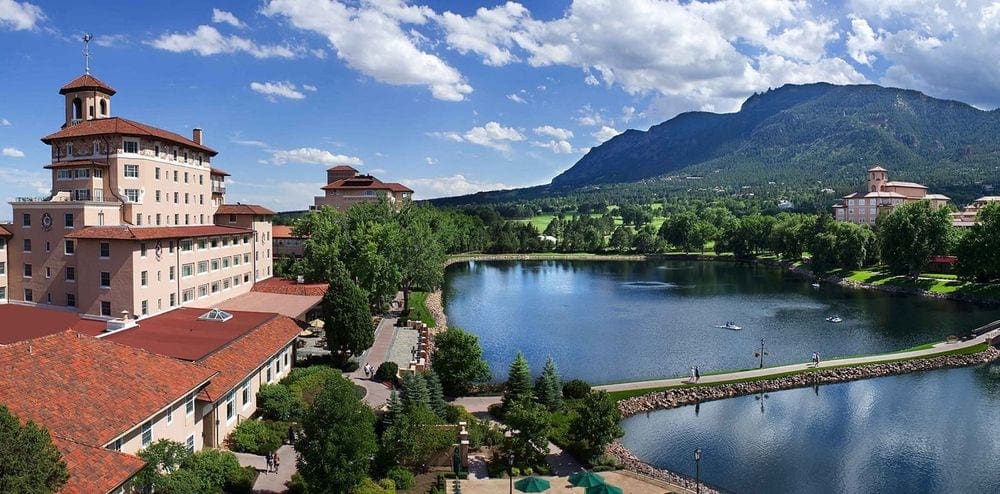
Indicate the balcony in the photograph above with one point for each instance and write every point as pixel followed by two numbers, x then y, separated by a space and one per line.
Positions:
pixel 218 189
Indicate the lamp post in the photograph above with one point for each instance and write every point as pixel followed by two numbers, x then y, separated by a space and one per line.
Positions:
pixel 510 471
pixel 761 353
pixel 697 471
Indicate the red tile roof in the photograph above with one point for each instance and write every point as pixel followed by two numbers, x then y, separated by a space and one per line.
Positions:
pixel 23 322
pixel 246 355
pixel 154 232
pixel 290 287
pixel 122 126
pixel 341 168
pixel 4 231
pixel 363 182
pixel 216 171
pixel 282 231
pixel 94 469
pixel 243 209
pixel 71 163
pixel 89 390
pixel 180 334
pixel 86 81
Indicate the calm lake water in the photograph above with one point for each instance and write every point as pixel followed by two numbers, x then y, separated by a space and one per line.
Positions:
pixel 916 433
pixel 617 321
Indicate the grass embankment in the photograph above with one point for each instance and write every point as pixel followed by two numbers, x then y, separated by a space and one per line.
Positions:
pixel 946 284
pixel 418 308
pixel 621 395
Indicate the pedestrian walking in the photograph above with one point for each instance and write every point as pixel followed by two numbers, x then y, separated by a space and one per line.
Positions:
pixel 276 461
pixel 697 373
pixel 817 359
pixel 692 374
pixel 291 435
pixel 268 463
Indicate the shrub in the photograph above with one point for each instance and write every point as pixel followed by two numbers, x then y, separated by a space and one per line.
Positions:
pixel 219 469
pixel 278 402
pixel 257 437
pixel 305 382
pixel 402 477
pixel 296 485
pixel 576 389
pixel 387 372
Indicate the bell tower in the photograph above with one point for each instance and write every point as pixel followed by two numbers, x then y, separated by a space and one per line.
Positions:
pixel 87 97
pixel 877 177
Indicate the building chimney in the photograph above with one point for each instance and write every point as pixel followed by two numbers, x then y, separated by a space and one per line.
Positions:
pixel 196 135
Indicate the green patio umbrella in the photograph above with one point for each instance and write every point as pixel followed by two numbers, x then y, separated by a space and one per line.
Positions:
pixel 586 479
pixel 532 484
pixel 604 489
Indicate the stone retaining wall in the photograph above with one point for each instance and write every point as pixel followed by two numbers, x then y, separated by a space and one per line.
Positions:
pixel 679 397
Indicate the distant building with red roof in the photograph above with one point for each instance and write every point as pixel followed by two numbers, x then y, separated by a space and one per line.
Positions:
pixel 881 196
pixel 346 187
pixel 287 243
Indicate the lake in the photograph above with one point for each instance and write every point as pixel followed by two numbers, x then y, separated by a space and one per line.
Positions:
pixel 922 432
pixel 609 321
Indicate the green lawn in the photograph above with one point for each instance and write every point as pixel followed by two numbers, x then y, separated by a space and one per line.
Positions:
pixel 418 308
pixel 935 283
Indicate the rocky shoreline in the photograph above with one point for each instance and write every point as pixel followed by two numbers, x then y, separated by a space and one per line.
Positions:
pixel 674 398
pixel 630 462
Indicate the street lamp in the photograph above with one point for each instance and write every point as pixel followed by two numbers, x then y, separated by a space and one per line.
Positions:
pixel 761 353
pixel 697 471
pixel 510 471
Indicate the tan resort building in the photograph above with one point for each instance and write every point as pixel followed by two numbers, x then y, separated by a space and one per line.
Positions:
pixel 881 195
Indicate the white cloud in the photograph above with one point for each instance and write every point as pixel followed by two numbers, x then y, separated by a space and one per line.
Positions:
pixel 225 17
pixel 430 161
pixel 556 132
pixel 12 152
pixel 455 185
pixel 281 89
pixel 4 122
pixel 558 147
pixel 37 183
pixel 371 40
pixel 628 112
pixel 861 41
pixel 493 135
pixel 515 98
pixel 591 118
pixel 19 16
pixel 488 33
pixel 448 136
pixel 309 87
pixel 250 142
pixel 313 156
pixel 605 133
pixel 207 41
pixel 111 40
pixel 376 171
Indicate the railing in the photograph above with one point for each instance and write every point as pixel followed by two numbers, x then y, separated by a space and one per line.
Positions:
pixel 218 189
pixel 32 199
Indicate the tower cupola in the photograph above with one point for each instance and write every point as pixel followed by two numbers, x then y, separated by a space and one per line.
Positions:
pixel 87 98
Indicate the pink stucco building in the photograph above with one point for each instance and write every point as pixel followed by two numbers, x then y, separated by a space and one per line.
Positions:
pixel 136 222
pixel 881 195
pixel 346 187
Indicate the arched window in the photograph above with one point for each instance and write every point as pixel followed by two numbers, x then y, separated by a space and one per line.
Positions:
pixel 104 108
pixel 77 109
pixel 873 188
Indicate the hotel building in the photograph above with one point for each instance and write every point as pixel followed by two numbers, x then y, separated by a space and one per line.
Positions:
pixel 136 221
pixel 346 187
pixel 880 197
pixel 969 216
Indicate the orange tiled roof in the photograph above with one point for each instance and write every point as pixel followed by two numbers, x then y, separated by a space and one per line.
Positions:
pixel 89 390
pixel 122 126
pixel 95 469
pixel 246 354
pixel 153 232
pixel 216 171
pixel 4 232
pixel 70 163
pixel 86 81
pixel 243 209
pixel 341 168
pixel 282 231
pixel 290 287
pixel 361 182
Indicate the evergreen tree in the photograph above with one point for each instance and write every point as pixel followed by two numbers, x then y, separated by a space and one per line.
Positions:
pixel 548 386
pixel 438 405
pixel 347 317
pixel 394 407
pixel 415 392
pixel 518 387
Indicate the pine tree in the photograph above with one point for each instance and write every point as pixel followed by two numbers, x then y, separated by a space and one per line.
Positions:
pixel 518 388
pixel 548 386
pixel 394 409
pixel 415 393
pixel 438 405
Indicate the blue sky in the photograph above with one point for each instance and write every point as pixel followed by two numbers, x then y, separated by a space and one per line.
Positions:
pixel 454 97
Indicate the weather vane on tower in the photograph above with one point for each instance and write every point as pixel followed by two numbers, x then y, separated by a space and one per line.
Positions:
pixel 86 52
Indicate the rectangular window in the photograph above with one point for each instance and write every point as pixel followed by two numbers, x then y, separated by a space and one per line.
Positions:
pixel 156 171
pixel 132 195
pixel 142 249
pixel 186 270
pixel 230 407
pixel 202 267
pixel 29 296
pixel 27 270
pixel 185 160
pixel 236 260
pixel 27 245
pixel 158 219
pixel 157 196
pixel 189 444
pixel 68 220
pixel 172 273
pixel 81 195
pixel 145 308
pixel 225 262
pixel 98 173
pixel 188 295
pixel 225 283
pixel 48 272
pixel 203 291
pixel 186 246
pixel 105 250
pixel 215 264
pixel 268 373
pixel 201 198
pixel 144 278
pixel 63 175
pixel 3 293
pixel 105 279
pixel 26 219
pixel 187 219
pixel 71 300
pixel 70 247
pixel 70 273
pixel 202 244
pixel 173 299
pixel 105 308
pixel 215 287
pixel 177 219
pixel 81 173
pixel 177 196
pixel 131 171
pixel 189 405
pixel 131 146
pixel 3 268
pixel 175 171
pixel 201 178
pixel 147 434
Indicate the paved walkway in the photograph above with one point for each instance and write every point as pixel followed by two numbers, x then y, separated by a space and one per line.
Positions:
pixel 376 393
pixel 562 463
pixel 274 482
pixel 824 364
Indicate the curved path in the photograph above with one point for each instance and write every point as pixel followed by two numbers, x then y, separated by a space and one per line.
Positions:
pixel 785 369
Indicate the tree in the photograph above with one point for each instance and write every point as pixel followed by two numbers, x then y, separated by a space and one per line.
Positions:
pixel 518 388
pixel 338 439
pixel 977 249
pixel 438 405
pixel 910 234
pixel 458 361
pixel 548 386
pixel 421 256
pixel 415 393
pixel 347 318
pixel 621 239
pixel 531 421
pixel 278 402
pixel 323 231
pixel 596 425
pixel 29 462
pixel 219 469
pixel 163 457
pixel 677 229
pixel 413 436
pixel 371 247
